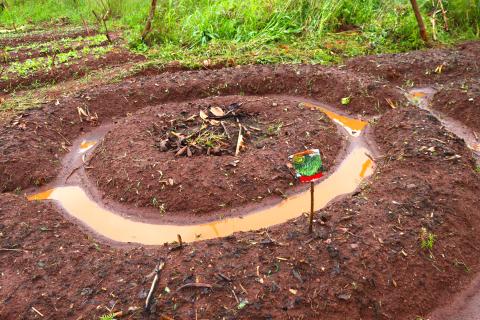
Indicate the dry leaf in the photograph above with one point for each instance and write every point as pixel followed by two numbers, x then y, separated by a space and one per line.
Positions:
pixel 181 151
pixel 216 111
pixel 214 122
pixel 203 115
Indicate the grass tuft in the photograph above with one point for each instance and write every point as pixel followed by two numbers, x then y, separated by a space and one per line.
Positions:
pixel 427 239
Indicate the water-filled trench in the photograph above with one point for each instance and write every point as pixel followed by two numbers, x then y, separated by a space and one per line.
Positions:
pixel 344 179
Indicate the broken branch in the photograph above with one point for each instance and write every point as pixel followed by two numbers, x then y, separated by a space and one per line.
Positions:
pixel 158 268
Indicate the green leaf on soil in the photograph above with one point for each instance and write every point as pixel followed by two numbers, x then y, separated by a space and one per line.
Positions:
pixel 242 304
pixel 346 101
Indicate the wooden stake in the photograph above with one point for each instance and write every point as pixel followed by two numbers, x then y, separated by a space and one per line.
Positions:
pixel 312 207
pixel 421 25
pixel 151 15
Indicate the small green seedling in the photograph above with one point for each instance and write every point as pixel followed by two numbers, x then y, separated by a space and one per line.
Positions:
pixel 110 316
pixel 160 206
pixel 477 169
pixel 427 239
pixel 242 304
pixel 274 129
pixel 346 101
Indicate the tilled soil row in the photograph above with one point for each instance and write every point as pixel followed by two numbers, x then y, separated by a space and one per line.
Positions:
pixel 43 37
pixel 74 69
pixel 24 54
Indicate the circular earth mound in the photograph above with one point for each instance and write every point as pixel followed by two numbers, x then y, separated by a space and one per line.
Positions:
pixel 187 158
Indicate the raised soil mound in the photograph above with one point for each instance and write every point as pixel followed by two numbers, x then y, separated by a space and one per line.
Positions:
pixel 168 158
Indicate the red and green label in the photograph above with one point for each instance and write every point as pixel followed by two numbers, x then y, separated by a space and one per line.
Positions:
pixel 308 165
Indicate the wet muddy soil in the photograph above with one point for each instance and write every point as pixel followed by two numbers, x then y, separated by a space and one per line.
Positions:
pixel 364 257
pixel 205 175
pixel 453 72
pixel 368 257
pixel 460 100
pixel 35 140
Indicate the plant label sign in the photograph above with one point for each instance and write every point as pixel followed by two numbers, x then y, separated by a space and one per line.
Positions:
pixel 308 165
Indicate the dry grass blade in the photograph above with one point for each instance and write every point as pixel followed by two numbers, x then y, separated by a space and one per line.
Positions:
pixel 239 140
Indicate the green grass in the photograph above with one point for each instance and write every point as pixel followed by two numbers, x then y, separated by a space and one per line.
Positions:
pixel 197 32
pixel 427 239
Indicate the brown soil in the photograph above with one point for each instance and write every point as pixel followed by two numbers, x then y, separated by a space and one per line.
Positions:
pixel 211 179
pixel 460 100
pixel 365 259
pixel 454 72
pixel 33 142
pixel 421 68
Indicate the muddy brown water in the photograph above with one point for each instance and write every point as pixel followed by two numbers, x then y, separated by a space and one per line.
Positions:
pixel 356 166
pixel 73 199
pixel 421 97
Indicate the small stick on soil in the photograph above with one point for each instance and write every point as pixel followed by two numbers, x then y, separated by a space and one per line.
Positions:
pixel 390 103
pixel 239 140
pixel 180 244
pixel 158 268
pixel 224 277
pixel 7 249
pixel 195 285
pixel 235 295
pixel 73 171
pixel 243 289
pixel 64 138
pixel 369 157
pixel 38 312
pixel 225 129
